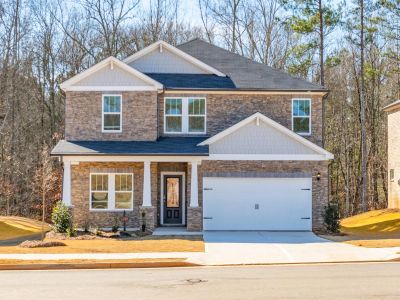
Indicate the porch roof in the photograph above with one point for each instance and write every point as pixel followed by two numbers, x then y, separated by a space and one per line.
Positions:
pixel 171 146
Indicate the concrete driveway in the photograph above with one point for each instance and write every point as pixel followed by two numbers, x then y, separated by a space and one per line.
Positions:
pixel 261 247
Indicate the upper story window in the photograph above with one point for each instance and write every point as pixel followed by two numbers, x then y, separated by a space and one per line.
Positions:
pixel 301 116
pixel 185 115
pixel 112 113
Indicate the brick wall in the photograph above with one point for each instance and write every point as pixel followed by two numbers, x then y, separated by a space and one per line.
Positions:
pixel 80 189
pixel 394 158
pixel 83 116
pixel 225 110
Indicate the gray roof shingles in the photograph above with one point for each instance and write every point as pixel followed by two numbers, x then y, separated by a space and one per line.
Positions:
pixel 192 81
pixel 245 73
pixel 173 146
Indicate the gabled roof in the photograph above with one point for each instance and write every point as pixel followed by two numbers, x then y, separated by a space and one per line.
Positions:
pixel 112 61
pixel 192 81
pixel 170 146
pixel 391 106
pixel 161 44
pixel 245 73
pixel 258 117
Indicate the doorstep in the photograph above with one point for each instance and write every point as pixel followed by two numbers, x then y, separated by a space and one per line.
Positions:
pixel 175 231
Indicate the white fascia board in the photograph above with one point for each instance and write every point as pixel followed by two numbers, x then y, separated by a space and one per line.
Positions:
pixel 66 85
pixel 176 51
pixel 275 125
pixel 131 158
pixel 269 157
pixel 109 88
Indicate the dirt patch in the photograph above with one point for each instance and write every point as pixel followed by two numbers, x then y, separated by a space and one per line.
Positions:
pixel 41 244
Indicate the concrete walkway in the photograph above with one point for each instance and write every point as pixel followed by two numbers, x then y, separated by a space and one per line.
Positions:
pixel 252 247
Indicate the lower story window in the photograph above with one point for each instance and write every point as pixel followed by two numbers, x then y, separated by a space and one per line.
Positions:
pixel 111 191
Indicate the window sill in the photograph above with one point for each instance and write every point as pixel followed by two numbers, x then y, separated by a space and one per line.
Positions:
pixel 303 134
pixel 111 131
pixel 110 210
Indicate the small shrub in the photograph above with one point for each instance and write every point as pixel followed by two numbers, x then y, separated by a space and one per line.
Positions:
pixel 71 231
pixel 115 227
pixel 332 217
pixel 61 218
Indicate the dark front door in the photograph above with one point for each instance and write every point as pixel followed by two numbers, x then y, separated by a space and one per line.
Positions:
pixel 172 199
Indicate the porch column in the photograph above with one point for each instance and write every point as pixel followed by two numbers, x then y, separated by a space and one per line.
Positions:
pixel 66 193
pixel 194 191
pixel 146 185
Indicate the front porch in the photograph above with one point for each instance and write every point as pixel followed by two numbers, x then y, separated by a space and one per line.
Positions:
pixel 164 191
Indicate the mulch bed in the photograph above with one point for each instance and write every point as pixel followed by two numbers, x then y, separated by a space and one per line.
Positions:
pixel 41 244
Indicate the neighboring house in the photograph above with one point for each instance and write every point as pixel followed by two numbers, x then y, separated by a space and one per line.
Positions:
pixel 393 128
pixel 194 136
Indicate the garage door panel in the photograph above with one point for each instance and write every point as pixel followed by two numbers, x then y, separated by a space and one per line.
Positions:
pixel 257 203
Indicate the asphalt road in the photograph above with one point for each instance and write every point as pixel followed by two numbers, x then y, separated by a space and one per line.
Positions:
pixel 333 281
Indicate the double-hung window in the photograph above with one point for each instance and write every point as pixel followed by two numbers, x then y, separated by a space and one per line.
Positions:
pixel 301 116
pixel 185 115
pixel 111 191
pixel 112 113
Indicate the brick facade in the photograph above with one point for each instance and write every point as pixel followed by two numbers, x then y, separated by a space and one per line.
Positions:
pixel 83 117
pixel 394 158
pixel 225 110
pixel 80 189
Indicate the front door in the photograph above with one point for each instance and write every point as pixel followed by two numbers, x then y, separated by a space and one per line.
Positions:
pixel 172 199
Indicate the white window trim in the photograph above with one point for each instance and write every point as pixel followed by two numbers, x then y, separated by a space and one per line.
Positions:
pixel 111 193
pixel 110 113
pixel 185 116
pixel 293 117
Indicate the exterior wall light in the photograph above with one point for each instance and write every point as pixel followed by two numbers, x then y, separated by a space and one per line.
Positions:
pixel 318 176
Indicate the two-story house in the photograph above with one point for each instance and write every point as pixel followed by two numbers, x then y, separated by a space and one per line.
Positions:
pixel 194 136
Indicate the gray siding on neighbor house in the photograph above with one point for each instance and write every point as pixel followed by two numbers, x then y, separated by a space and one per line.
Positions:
pixel 262 139
pixel 165 62
pixel 111 77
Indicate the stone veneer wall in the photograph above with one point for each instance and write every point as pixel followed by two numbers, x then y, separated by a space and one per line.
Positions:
pixel 394 158
pixel 83 117
pixel 225 110
pixel 80 189
pixel 319 188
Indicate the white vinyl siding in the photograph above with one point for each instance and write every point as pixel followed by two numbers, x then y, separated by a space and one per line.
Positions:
pixel 111 191
pixel 259 138
pixel 301 116
pixel 165 62
pixel 185 115
pixel 112 113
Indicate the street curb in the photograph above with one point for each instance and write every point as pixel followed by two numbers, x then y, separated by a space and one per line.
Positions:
pixel 116 265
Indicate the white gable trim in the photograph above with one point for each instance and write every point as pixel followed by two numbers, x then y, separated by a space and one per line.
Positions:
pixel 260 117
pixel 68 85
pixel 180 53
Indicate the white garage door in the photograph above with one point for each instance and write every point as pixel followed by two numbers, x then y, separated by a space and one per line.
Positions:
pixel 231 203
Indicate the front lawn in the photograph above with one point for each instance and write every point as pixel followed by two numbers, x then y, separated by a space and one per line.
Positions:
pixel 16 227
pixel 138 244
pixel 375 229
